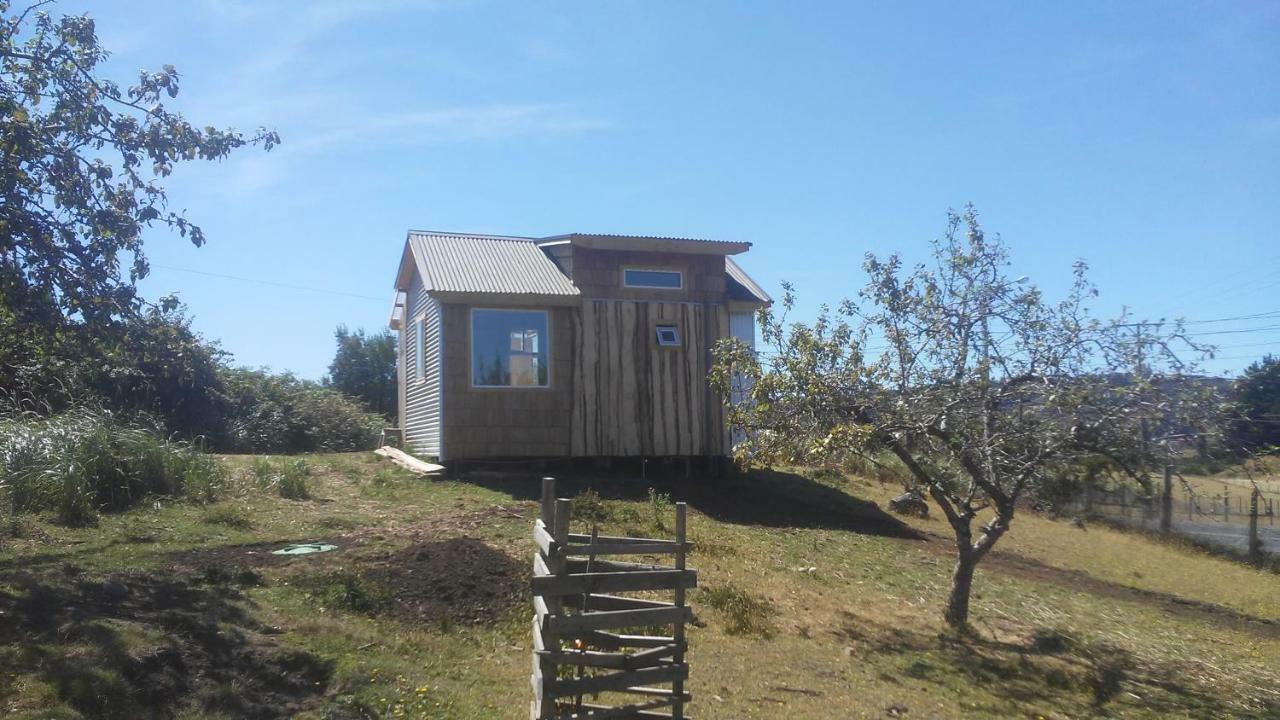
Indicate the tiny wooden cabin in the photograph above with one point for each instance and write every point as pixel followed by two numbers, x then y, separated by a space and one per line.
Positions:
pixel 567 346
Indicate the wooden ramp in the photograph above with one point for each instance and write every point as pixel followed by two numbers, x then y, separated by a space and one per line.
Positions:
pixel 409 462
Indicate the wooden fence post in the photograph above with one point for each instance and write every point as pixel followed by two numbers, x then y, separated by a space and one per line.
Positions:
pixel 582 612
pixel 677 687
pixel 1255 543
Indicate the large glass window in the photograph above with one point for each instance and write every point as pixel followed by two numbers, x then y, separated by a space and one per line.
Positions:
pixel 509 348
pixel 662 279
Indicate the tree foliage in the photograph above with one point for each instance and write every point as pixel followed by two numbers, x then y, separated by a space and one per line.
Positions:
pixel 984 390
pixel 80 170
pixel 1257 405
pixel 364 367
pixel 268 412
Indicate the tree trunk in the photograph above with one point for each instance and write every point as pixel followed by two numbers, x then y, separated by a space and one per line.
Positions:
pixel 957 612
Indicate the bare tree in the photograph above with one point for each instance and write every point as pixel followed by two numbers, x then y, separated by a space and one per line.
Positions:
pixel 977 385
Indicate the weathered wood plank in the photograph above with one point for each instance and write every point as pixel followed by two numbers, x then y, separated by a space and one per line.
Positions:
pixel 613 602
pixel 607 548
pixel 543 539
pixel 618 681
pixel 635 711
pixel 408 462
pixel 609 582
pixel 614 619
pixel 578 565
pixel 611 660
pixel 584 537
pixel 615 641
pixel 677 710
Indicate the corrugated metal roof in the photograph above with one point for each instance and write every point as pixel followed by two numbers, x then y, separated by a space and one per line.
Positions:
pixel 652 242
pixel 570 236
pixel 453 262
pixel 741 286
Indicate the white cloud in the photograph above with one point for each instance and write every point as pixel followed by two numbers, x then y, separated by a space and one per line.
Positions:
pixel 299 78
pixel 488 122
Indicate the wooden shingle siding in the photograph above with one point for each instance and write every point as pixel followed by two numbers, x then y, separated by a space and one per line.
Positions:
pixel 598 274
pixel 635 397
pixel 423 414
pixel 506 422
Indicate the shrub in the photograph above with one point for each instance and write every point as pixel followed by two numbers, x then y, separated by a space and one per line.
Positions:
pixel 231 515
pixel 659 508
pixel 86 461
pixel 286 477
pixel 746 614
pixel 590 508
pixel 346 590
pixel 283 414
pixel 1109 668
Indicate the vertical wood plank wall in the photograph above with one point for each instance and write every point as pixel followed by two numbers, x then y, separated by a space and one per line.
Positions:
pixel 635 397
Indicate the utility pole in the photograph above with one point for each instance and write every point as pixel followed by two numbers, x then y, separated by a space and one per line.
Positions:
pixel 1166 501
pixel 1146 430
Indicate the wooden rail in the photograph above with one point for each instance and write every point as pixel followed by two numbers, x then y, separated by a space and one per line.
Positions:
pixel 579 648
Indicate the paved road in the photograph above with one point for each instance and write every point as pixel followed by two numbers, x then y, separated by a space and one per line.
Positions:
pixel 1225 534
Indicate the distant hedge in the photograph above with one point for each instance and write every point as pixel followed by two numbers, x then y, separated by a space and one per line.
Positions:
pixel 272 413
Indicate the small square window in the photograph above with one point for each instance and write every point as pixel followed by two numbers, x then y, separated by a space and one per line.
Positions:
pixel 668 336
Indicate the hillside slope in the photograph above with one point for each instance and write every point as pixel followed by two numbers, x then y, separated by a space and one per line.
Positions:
pixel 813 604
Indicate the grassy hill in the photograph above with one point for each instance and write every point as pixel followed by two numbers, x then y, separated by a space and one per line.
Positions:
pixel 813 604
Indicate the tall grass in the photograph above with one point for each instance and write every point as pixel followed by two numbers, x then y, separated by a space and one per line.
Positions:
pixel 84 461
pixel 288 478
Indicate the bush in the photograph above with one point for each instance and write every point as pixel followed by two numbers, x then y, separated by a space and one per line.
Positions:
pixel 747 614
pixel 231 515
pixel 283 414
pixel 85 461
pixel 346 590
pixel 288 478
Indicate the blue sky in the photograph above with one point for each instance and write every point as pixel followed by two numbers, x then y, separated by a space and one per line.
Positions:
pixel 1143 137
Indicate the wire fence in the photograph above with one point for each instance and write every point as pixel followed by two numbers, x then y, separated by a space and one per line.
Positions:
pixel 1232 516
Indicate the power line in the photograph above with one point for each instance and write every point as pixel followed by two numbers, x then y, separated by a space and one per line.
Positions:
pixel 1248 345
pixel 1268 314
pixel 1243 330
pixel 272 283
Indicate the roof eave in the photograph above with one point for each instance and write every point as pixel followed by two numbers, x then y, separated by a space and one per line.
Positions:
pixel 686 246
pixel 507 298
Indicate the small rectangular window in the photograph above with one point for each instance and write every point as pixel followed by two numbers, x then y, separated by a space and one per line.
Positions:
pixel 660 279
pixel 509 348
pixel 668 336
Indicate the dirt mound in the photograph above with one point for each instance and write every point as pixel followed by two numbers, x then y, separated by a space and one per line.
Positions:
pixel 461 580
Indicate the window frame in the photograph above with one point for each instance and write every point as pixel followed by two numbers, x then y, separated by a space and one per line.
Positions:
pixel 660 327
pixel 471 348
pixel 675 271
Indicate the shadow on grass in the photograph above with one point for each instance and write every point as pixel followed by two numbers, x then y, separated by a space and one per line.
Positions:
pixel 148 645
pixel 1053 669
pixel 766 498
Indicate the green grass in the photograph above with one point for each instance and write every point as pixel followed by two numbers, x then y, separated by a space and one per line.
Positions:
pixel 812 604
pixel 84 462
